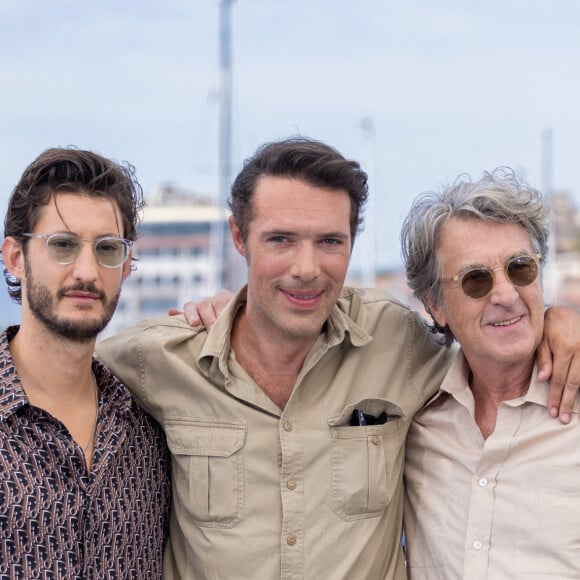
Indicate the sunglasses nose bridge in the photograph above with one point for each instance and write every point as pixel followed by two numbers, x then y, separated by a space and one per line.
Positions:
pixel 81 252
pixel 503 289
pixel 504 268
pixel 76 251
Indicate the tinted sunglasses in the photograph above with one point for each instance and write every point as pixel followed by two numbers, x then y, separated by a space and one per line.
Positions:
pixel 110 251
pixel 478 282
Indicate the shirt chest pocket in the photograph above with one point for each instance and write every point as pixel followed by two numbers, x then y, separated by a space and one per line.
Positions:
pixel 547 520
pixel 367 461
pixel 208 469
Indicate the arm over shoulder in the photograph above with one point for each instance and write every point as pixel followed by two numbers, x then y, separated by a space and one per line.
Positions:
pixel 121 354
pixel 131 355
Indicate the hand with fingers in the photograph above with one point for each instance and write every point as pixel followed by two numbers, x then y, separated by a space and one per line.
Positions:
pixel 206 311
pixel 559 358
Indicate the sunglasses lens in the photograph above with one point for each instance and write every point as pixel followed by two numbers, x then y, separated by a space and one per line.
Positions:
pixel 63 249
pixel 111 252
pixel 522 271
pixel 477 283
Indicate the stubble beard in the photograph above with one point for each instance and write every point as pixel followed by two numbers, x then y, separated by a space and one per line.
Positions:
pixel 42 306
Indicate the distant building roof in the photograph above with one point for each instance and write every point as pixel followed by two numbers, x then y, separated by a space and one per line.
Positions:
pixel 184 213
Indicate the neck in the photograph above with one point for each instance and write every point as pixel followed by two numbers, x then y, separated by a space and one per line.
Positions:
pixel 491 387
pixel 274 364
pixel 275 350
pixel 501 383
pixel 49 365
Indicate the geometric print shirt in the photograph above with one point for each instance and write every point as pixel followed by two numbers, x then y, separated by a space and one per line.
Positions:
pixel 58 521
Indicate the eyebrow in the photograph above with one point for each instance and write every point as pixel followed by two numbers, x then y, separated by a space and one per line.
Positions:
pixel 513 255
pixel 339 235
pixel 71 233
pixel 289 233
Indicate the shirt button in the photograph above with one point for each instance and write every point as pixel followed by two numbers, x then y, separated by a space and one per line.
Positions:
pixel 291 540
pixel 291 484
pixel 287 426
pixel 477 545
pixel 483 482
pixel 375 440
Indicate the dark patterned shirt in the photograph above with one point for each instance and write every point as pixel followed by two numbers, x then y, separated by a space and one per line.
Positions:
pixel 58 521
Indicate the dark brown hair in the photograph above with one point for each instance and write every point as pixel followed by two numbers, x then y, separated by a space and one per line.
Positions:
pixel 300 158
pixel 70 170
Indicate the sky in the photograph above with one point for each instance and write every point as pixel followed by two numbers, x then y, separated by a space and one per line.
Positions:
pixel 448 86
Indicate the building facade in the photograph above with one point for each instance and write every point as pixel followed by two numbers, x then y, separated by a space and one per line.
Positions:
pixel 181 254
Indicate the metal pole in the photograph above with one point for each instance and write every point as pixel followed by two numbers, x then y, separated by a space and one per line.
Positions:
pixel 218 251
pixel 225 120
pixel 369 254
pixel 548 163
pixel 551 275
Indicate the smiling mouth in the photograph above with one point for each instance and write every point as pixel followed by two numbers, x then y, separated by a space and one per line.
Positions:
pixel 507 322
pixel 303 296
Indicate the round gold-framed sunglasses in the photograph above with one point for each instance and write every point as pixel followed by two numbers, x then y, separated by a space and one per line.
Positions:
pixel 478 282
pixel 110 251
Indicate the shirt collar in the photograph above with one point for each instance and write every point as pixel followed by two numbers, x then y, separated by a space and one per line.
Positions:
pixel 456 383
pixel 339 328
pixel 111 389
pixel 12 395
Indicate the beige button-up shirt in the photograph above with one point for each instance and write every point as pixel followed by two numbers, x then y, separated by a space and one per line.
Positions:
pixel 263 494
pixel 497 509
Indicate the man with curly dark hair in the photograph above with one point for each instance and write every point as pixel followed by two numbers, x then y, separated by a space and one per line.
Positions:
pixel 84 472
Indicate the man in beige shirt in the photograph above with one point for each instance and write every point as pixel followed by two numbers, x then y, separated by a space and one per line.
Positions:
pixel 287 420
pixel 270 478
pixel 491 479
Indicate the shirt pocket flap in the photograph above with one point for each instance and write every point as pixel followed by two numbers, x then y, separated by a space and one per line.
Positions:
pixel 205 438
pixel 371 406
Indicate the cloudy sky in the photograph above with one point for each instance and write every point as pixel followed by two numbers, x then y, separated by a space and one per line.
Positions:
pixel 451 86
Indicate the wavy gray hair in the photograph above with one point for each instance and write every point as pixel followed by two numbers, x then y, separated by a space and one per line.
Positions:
pixel 498 197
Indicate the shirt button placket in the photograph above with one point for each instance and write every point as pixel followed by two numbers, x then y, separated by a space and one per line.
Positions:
pixel 292 564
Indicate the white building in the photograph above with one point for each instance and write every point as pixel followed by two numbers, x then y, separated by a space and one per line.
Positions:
pixel 177 259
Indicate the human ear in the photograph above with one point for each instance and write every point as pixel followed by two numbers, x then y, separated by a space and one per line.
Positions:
pixel 237 237
pixel 127 266
pixel 437 312
pixel 13 257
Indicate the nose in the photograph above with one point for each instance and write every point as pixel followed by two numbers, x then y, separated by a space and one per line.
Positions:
pixel 305 264
pixel 85 265
pixel 504 292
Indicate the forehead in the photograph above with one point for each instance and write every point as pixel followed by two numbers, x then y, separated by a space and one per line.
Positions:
pixel 294 200
pixel 80 213
pixel 465 242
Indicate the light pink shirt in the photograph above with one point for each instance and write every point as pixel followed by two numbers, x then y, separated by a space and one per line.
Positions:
pixel 496 509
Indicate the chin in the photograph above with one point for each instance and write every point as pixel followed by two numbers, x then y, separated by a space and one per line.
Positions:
pixel 75 330
pixel 517 356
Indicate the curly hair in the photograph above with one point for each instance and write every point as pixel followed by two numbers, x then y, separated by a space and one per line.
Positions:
pixel 498 197
pixel 70 170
